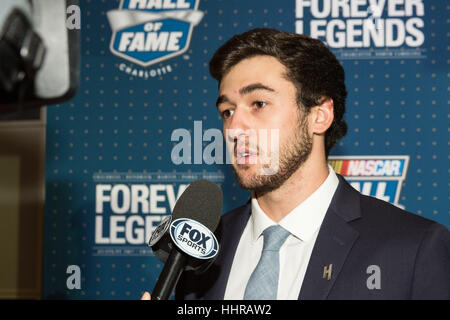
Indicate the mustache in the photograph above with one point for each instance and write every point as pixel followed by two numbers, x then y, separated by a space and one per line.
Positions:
pixel 251 138
pixel 261 143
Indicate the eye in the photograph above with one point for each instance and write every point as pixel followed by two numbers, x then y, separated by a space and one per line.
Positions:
pixel 260 104
pixel 226 113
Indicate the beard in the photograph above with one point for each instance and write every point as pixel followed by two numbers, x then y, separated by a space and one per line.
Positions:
pixel 291 156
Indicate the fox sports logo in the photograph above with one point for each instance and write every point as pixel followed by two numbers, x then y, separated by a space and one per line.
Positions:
pixel 194 238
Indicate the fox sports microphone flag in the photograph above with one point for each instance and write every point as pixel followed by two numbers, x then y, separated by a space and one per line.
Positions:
pixel 192 242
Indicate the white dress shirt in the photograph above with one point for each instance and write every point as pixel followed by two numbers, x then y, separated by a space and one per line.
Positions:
pixel 303 223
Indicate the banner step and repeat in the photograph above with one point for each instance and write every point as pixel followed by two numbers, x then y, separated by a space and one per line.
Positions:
pixel 144 125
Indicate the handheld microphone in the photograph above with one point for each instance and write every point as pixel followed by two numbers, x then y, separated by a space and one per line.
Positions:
pixel 185 240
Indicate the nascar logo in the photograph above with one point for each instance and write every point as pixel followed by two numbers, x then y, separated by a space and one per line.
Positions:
pixel 377 176
pixel 194 238
pixel 146 32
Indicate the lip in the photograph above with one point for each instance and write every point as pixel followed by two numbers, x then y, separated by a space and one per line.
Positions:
pixel 245 155
pixel 244 150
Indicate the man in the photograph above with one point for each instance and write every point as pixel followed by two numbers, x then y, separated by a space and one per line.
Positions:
pixel 331 242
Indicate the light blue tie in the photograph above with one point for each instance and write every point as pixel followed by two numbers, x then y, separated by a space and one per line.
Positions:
pixel 263 283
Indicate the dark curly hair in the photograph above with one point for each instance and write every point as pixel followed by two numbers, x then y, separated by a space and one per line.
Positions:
pixel 312 68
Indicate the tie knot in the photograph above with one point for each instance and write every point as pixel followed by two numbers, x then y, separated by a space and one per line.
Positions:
pixel 274 237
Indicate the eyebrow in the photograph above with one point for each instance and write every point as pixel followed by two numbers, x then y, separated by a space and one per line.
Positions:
pixel 243 91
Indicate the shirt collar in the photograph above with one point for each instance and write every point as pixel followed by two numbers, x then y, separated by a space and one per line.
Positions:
pixel 305 219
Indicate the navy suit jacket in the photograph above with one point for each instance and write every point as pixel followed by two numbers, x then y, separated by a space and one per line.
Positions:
pixel 411 254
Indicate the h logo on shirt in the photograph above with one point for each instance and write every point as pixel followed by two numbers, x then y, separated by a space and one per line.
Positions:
pixel 327 272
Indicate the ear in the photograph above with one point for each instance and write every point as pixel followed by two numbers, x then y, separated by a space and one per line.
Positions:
pixel 322 116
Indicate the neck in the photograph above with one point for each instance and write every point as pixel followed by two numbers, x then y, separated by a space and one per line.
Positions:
pixel 302 183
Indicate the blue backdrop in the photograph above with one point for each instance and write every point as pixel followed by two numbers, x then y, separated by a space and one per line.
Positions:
pixel 110 175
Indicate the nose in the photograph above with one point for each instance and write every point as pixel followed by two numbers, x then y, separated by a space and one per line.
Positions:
pixel 237 125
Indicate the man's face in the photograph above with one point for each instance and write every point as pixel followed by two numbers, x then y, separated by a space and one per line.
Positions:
pixel 263 126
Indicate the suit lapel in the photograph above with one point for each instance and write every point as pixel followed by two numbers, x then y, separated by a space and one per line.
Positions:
pixel 230 235
pixel 334 241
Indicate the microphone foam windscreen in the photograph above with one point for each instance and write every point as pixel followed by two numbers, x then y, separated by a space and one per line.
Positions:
pixel 202 202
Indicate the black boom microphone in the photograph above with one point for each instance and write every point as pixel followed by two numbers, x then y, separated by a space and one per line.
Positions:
pixel 185 240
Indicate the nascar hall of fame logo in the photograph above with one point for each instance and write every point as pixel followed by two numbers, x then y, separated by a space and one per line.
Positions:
pixel 194 238
pixel 377 176
pixel 146 32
